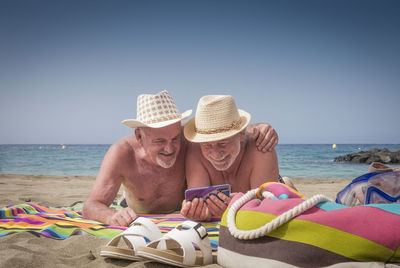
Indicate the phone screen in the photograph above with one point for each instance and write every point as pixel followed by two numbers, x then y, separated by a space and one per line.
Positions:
pixel 204 192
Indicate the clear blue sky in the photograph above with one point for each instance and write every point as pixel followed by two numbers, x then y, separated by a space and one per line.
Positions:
pixel 318 71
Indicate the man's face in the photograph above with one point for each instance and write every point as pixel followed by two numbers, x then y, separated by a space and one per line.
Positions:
pixel 222 153
pixel 162 144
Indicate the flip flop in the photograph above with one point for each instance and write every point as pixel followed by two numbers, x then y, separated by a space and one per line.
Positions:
pixel 140 232
pixel 178 246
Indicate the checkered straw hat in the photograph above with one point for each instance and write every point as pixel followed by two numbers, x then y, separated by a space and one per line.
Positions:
pixel 156 111
pixel 217 118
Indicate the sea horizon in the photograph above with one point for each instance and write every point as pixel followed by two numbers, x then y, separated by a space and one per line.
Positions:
pixel 312 160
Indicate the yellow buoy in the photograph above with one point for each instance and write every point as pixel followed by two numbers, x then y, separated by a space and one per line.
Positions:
pixel 63 147
pixel 334 146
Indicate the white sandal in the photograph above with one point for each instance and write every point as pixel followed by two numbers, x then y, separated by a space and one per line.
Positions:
pixel 140 232
pixel 176 247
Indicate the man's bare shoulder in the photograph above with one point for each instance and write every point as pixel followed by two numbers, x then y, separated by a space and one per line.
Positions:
pixel 195 147
pixel 193 150
pixel 194 157
pixel 124 149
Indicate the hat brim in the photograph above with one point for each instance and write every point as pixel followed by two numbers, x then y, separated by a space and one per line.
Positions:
pixel 133 123
pixel 191 134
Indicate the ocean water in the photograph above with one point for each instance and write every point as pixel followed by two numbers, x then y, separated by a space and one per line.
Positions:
pixel 295 160
pixel 52 159
pixel 316 160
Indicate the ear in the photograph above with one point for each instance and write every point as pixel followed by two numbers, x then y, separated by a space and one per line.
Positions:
pixel 138 135
pixel 242 135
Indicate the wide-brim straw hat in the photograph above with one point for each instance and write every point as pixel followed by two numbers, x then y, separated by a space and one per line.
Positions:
pixel 156 111
pixel 217 118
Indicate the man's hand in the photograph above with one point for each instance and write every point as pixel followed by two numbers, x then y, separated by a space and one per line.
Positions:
pixel 195 210
pixel 265 136
pixel 122 217
pixel 217 206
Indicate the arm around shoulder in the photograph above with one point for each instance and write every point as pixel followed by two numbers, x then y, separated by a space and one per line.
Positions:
pixel 265 136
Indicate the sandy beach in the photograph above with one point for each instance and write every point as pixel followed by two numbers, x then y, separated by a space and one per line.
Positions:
pixel 29 250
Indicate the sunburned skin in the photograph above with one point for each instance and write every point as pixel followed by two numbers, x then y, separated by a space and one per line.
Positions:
pixel 153 190
pixel 138 164
pixel 150 165
pixel 234 161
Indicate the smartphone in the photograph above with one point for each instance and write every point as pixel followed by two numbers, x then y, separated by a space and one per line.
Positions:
pixel 205 192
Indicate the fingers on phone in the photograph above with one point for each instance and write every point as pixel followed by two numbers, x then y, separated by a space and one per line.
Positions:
pixel 205 213
pixel 192 208
pixel 195 210
pixel 218 204
pixel 185 208
pixel 226 199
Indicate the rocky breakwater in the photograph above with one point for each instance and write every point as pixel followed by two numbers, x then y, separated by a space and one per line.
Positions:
pixel 375 155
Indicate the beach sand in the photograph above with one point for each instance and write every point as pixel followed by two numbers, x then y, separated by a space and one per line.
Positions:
pixel 29 250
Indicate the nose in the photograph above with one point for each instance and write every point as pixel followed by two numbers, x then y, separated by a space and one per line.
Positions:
pixel 217 154
pixel 169 148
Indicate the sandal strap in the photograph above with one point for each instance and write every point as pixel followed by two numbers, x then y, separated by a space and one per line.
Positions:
pixel 148 227
pixel 196 234
pixel 135 235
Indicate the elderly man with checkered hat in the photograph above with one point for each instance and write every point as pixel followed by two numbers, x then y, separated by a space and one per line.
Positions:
pixel 150 165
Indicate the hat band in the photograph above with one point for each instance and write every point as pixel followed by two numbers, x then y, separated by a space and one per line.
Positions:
pixel 234 125
pixel 161 119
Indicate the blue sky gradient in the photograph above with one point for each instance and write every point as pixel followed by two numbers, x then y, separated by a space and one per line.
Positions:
pixel 318 71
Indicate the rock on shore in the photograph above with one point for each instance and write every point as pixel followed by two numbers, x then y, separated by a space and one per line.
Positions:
pixel 375 155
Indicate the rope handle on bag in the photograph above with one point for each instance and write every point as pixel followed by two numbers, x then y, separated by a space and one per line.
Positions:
pixel 275 223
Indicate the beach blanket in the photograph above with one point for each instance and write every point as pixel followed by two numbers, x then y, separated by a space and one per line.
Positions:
pixel 62 223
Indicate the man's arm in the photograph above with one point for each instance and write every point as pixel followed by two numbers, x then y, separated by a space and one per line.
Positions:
pixel 196 176
pixel 265 136
pixel 196 173
pixel 105 189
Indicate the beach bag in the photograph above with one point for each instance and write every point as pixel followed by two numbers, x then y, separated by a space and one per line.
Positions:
pixel 372 188
pixel 275 226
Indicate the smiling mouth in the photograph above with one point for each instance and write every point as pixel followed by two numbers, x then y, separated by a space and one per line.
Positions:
pixel 167 155
pixel 220 160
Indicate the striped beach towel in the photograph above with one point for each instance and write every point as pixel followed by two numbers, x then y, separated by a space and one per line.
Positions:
pixel 325 234
pixel 62 223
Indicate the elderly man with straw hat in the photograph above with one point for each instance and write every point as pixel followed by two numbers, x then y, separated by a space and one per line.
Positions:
pixel 150 165
pixel 220 152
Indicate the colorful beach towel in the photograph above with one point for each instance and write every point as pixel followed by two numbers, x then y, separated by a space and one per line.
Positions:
pixel 322 235
pixel 62 223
